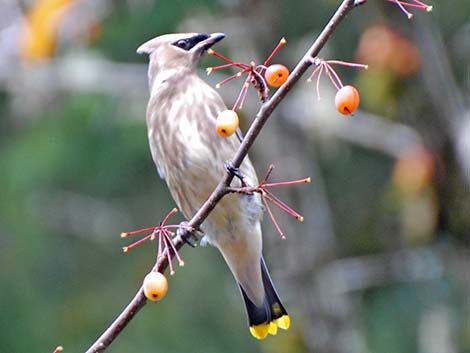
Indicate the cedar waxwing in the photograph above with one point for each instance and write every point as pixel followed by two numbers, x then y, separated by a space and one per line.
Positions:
pixel 190 156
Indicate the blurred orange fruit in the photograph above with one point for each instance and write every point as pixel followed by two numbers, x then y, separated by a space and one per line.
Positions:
pixel 413 171
pixel 386 50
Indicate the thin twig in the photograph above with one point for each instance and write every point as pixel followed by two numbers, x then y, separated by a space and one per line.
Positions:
pixel 221 190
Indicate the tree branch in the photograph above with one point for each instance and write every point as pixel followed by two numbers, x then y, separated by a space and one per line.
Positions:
pixel 223 187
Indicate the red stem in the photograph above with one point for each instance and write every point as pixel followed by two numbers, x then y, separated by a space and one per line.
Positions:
pixel 332 78
pixel 166 234
pixel 402 8
pixel 271 215
pixel 402 4
pixel 135 232
pixel 242 95
pixel 169 215
pixel 283 206
pixel 287 183
pixel 168 256
pixel 227 60
pixel 310 78
pixel 138 242
pixel 275 51
pixel 318 81
pixel 160 245
pixel 346 63
pixel 220 67
pixel 230 78
pixel 426 6
pixel 268 173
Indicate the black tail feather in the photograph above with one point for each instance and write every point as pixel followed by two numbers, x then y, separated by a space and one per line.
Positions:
pixel 272 307
pixel 275 305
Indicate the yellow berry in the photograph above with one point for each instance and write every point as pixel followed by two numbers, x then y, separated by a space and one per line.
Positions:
pixel 347 100
pixel 155 286
pixel 227 123
pixel 276 75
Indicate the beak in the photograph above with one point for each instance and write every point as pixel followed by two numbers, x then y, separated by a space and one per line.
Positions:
pixel 209 42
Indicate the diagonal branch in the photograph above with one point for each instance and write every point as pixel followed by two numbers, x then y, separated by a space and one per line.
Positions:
pixel 222 188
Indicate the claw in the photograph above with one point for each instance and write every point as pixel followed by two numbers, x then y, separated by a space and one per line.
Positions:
pixel 229 167
pixel 187 233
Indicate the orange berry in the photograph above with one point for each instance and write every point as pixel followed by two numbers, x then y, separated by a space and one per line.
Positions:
pixel 276 75
pixel 155 286
pixel 347 100
pixel 227 123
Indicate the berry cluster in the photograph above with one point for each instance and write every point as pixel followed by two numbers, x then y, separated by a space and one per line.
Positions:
pixel 259 76
pixel 347 97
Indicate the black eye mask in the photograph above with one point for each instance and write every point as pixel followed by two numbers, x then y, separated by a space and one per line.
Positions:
pixel 189 43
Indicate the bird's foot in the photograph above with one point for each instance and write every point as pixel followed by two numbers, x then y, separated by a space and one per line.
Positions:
pixel 187 233
pixel 232 170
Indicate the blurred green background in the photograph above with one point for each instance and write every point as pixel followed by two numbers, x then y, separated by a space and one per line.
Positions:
pixel 381 262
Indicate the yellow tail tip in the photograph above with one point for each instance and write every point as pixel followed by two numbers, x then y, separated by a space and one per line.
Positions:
pixel 260 331
pixel 283 322
pixel 272 328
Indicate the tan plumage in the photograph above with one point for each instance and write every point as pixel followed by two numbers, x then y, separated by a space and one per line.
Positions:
pixel 190 156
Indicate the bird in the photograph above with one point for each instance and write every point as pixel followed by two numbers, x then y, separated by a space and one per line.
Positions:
pixel 191 157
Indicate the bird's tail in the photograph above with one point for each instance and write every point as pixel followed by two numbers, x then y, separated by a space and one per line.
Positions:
pixel 271 315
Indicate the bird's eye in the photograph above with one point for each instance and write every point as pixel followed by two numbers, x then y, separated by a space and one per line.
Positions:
pixel 183 44
pixel 189 43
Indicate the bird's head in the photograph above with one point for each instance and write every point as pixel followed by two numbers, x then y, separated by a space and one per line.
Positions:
pixel 179 51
